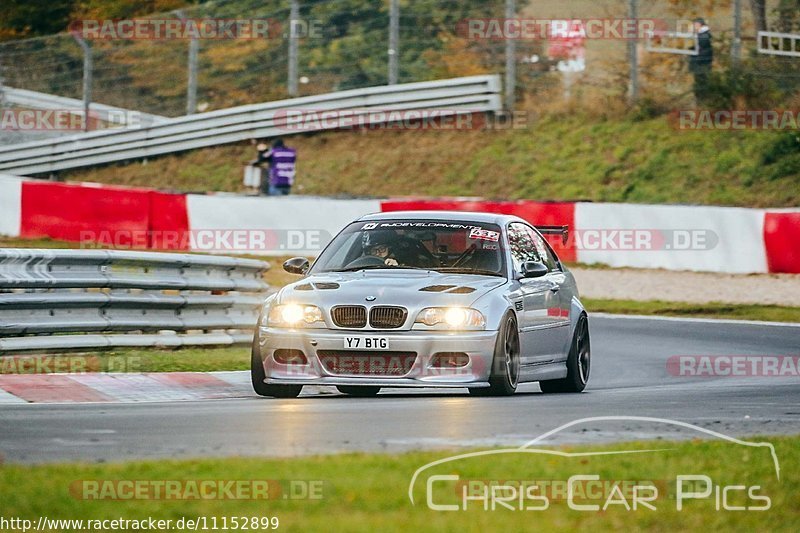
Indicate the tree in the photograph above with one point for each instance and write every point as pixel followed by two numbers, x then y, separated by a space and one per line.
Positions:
pixel 788 15
pixel 759 9
pixel 29 18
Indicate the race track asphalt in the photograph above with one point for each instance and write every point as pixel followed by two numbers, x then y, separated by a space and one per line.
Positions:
pixel 629 378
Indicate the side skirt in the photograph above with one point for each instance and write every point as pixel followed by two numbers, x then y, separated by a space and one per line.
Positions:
pixel 543 371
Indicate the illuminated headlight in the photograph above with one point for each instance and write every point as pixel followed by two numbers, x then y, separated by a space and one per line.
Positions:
pixel 451 318
pixel 292 316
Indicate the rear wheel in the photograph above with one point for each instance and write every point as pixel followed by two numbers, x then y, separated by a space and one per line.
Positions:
pixel 578 363
pixel 257 377
pixel 358 390
pixel 505 364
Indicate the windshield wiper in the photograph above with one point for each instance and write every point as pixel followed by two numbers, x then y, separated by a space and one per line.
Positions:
pixel 376 267
pixel 475 271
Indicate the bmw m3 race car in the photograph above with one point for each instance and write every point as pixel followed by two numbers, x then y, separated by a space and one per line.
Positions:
pixel 426 299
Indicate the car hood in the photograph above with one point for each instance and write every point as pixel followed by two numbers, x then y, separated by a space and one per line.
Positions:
pixel 408 288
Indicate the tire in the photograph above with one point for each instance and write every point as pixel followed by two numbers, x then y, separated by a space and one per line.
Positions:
pixel 257 377
pixel 578 363
pixel 505 363
pixel 358 390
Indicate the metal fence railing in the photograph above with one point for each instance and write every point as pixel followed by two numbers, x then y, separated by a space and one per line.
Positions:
pixel 474 94
pixel 779 44
pixel 92 299
pixel 320 46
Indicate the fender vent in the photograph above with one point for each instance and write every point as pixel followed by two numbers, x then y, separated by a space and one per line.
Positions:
pixel 462 290
pixel 436 288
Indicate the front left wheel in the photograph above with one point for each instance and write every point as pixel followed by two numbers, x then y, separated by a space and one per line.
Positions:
pixel 257 377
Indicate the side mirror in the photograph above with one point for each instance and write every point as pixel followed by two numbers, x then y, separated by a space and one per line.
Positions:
pixel 296 265
pixel 534 269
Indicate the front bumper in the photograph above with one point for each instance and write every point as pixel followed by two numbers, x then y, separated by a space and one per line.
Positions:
pixel 478 345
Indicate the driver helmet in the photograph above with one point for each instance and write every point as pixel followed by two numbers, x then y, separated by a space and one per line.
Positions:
pixel 372 240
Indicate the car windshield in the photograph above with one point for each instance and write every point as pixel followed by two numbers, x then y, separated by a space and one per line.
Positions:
pixel 441 245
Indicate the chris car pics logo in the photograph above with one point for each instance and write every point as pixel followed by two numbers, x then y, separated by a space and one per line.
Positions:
pixel 686 488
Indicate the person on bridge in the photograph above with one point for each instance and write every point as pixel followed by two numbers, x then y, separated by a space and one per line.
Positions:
pixel 282 161
pixel 700 64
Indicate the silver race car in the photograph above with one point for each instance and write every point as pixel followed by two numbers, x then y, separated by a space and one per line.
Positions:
pixel 426 299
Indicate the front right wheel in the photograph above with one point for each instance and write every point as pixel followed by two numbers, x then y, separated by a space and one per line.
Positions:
pixel 578 362
pixel 505 364
pixel 257 376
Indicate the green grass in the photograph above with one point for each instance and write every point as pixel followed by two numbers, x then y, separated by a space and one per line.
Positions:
pixel 369 492
pixel 556 157
pixel 204 359
pixel 770 313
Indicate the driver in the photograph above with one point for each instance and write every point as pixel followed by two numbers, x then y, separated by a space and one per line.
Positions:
pixel 378 244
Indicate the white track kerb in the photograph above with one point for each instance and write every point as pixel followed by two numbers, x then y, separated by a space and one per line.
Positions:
pixel 10 205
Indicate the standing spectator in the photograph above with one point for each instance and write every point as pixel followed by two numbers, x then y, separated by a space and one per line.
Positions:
pixel 700 64
pixel 260 166
pixel 281 161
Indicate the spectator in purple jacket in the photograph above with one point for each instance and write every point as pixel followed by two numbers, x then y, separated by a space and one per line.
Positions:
pixel 281 161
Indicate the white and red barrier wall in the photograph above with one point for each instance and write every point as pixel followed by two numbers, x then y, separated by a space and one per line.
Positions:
pixel 734 240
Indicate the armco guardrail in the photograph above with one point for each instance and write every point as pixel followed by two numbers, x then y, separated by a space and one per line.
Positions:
pixel 37 100
pixel 93 299
pixel 474 94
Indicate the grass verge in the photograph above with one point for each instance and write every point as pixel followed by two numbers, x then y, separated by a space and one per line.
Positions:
pixel 369 492
pixel 769 313
pixel 558 157
pixel 205 359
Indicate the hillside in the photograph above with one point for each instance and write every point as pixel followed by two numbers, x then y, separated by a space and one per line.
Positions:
pixel 564 157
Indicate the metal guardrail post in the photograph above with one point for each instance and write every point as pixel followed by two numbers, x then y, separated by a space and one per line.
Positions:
pixel 87 78
pixel 511 61
pixel 2 90
pixel 294 20
pixel 191 75
pixel 736 45
pixel 633 59
pixel 394 38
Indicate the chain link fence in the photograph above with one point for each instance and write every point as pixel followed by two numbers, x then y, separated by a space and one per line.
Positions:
pixel 345 44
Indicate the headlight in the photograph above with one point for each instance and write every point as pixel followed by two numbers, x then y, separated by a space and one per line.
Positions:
pixel 451 318
pixel 292 316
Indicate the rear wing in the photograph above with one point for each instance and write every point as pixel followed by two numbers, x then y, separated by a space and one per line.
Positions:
pixel 555 230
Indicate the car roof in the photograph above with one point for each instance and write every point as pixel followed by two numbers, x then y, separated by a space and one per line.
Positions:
pixel 461 216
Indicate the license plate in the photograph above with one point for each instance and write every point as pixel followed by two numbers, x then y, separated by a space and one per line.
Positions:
pixel 366 343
